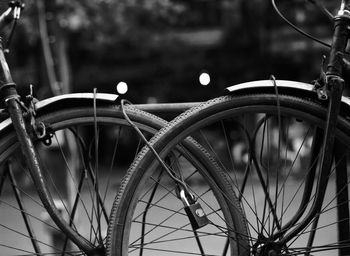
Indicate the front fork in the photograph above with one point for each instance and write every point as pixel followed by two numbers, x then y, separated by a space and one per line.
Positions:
pixel 334 85
pixel 28 150
pixel 14 107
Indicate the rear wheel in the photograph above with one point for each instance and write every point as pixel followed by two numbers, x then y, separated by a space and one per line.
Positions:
pixel 149 216
pixel 269 146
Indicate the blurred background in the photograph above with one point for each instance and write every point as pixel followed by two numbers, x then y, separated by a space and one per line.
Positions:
pixel 160 47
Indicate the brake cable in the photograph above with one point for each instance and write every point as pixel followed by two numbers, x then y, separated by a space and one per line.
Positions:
pixel 162 163
pixel 318 4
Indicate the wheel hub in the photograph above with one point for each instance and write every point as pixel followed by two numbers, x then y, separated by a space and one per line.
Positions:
pixel 265 247
pixel 99 251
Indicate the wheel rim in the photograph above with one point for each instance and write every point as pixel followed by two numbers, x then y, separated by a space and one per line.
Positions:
pixel 152 219
pixel 76 195
pixel 282 161
pixel 272 145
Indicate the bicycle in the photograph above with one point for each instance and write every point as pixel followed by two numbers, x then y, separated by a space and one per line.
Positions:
pixel 281 148
pixel 77 138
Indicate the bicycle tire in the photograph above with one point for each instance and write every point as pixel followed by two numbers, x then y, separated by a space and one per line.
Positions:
pixel 79 197
pixel 224 206
pixel 268 145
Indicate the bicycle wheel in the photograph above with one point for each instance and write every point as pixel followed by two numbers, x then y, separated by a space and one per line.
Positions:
pixel 83 154
pixel 149 216
pixel 269 147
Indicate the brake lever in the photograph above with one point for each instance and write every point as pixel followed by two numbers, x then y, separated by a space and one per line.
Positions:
pixel 17 7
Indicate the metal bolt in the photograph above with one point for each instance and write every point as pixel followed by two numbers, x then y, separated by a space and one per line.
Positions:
pixel 200 212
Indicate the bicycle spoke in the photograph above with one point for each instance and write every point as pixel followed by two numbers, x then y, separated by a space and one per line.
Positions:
pixel 175 251
pixel 27 236
pixel 173 229
pixel 70 173
pixel 20 203
pixel 76 185
pixel 112 164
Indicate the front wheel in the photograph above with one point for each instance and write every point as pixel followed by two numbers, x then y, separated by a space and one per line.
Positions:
pixel 84 152
pixel 269 148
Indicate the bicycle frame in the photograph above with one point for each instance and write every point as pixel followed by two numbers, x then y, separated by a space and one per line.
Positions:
pixel 16 110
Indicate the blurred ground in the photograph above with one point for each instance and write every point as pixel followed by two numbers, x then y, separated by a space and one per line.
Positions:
pixel 11 238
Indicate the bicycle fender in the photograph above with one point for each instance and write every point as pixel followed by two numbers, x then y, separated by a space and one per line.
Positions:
pixel 67 100
pixel 292 88
pixel 270 84
pixel 74 99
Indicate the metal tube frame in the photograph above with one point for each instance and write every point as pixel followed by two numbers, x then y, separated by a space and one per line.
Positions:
pixel 334 85
pixel 14 107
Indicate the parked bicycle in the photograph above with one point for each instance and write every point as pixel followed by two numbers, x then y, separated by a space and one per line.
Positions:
pixel 277 183
pixel 80 140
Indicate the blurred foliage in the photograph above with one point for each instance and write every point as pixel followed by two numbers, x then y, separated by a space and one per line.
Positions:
pixel 149 44
pixel 101 23
pixel 106 22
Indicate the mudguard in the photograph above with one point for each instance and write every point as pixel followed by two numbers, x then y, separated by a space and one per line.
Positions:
pixel 269 84
pixel 74 99
pixel 292 88
pixel 68 101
